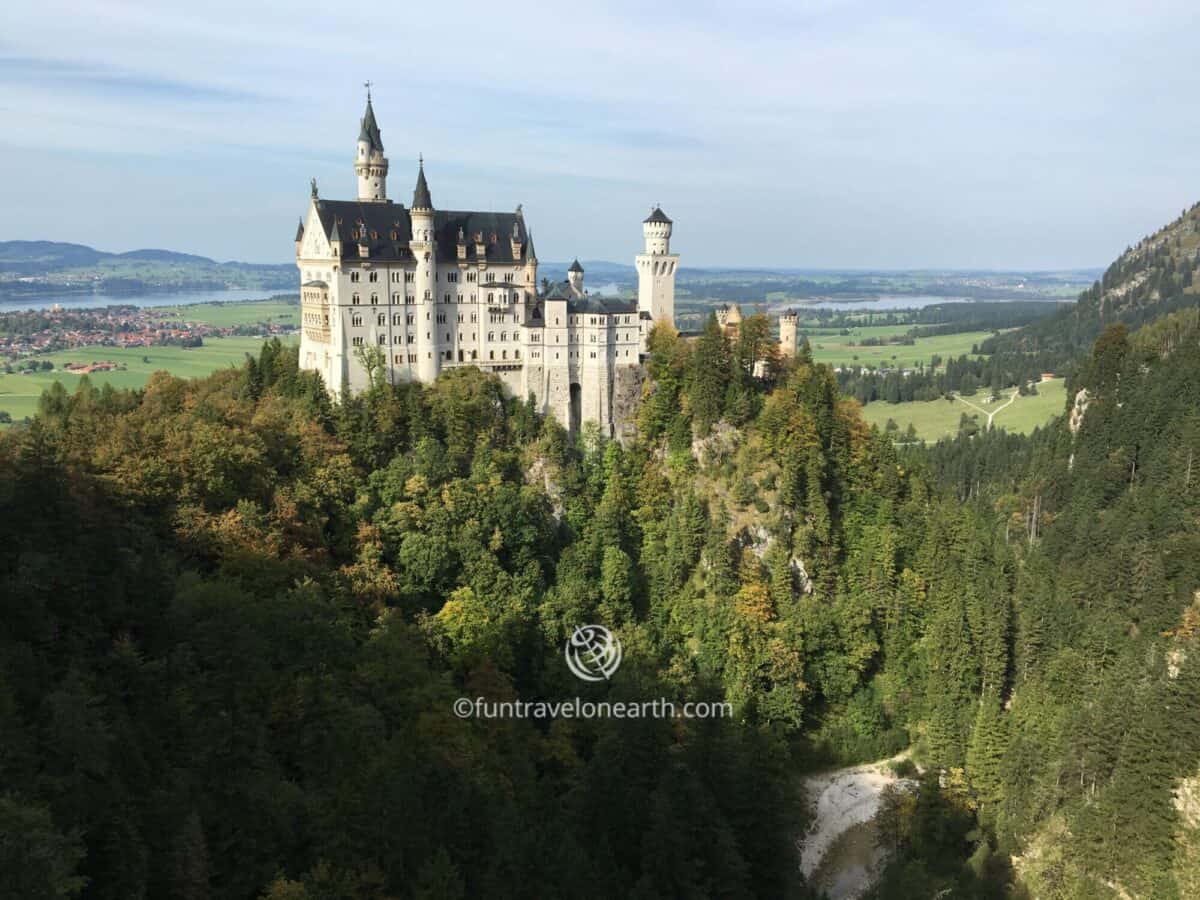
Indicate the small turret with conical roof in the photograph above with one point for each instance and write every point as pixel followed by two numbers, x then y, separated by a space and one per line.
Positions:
pixel 370 165
pixel 421 196
pixel 575 278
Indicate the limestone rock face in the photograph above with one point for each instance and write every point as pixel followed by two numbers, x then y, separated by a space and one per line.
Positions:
pixel 1078 410
pixel 628 383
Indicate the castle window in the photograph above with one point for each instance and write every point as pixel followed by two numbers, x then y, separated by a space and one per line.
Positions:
pixel 382 339
pixel 441 317
pixel 374 299
pixel 381 319
pixel 504 335
pixel 408 277
pixel 491 354
pixel 491 297
pixel 449 355
pixel 373 277
pixel 471 276
pixel 504 354
pixel 491 335
pixel 460 298
pixel 447 300
pixel 409 318
pixel 395 298
pixel 356 320
pixel 355 299
pixel 354 276
pixel 357 340
pixel 412 357
pixel 412 339
pixel 447 335
pixel 517 354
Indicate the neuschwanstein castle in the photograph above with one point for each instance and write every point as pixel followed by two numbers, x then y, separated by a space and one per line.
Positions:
pixel 435 289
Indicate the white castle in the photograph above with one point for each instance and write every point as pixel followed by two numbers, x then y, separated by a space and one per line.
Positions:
pixel 433 289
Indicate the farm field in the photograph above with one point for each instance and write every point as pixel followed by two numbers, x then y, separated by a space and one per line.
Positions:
pixel 934 419
pixel 19 393
pixel 229 315
pixel 842 350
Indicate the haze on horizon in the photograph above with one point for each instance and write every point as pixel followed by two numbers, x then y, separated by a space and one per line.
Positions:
pixel 828 134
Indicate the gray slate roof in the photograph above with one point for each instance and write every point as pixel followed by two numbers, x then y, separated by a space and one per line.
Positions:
pixel 575 267
pixel 587 304
pixel 421 197
pixel 657 215
pixel 346 220
pixel 369 131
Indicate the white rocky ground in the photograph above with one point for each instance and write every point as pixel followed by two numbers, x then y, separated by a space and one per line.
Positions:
pixel 844 803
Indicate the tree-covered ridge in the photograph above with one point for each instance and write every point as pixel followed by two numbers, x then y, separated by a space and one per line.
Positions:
pixel 236 616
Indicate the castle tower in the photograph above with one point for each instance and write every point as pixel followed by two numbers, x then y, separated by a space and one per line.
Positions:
pixel 656 267
pixel 575 278
pixel 370 165
pixel 787 333
pixel 424 252
pixel 729 317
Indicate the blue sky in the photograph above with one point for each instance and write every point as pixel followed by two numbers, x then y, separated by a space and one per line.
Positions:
pixel 816 134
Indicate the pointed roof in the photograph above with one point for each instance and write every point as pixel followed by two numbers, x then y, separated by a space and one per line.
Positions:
pixel 529 254
pixel 575 267
pixel 370 129
pixel 300 231
pixel 657 216
pixel 421 197
pixel 334 234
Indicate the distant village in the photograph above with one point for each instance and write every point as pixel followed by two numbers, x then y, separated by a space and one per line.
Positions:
pixel 28 333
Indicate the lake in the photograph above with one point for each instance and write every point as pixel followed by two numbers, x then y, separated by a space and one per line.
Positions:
pixel 151 298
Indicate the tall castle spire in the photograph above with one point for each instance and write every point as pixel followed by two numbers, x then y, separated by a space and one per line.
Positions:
pixel 421 196
pixel 370 165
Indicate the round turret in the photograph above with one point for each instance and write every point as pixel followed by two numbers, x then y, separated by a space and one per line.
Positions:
pixel 656 229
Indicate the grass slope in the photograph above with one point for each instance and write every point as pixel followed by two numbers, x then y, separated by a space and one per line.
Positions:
pixel 935 419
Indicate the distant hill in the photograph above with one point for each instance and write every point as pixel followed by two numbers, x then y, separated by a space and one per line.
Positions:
pixel 1154 277
pixel 37 268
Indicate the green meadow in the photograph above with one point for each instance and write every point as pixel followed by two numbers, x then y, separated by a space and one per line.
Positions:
pixel 19 393
pixel 829 346
pixel 230 315
pixel 934 419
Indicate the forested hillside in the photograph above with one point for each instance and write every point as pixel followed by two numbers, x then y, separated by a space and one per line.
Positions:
pixel 236 617
pixel 1148 280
